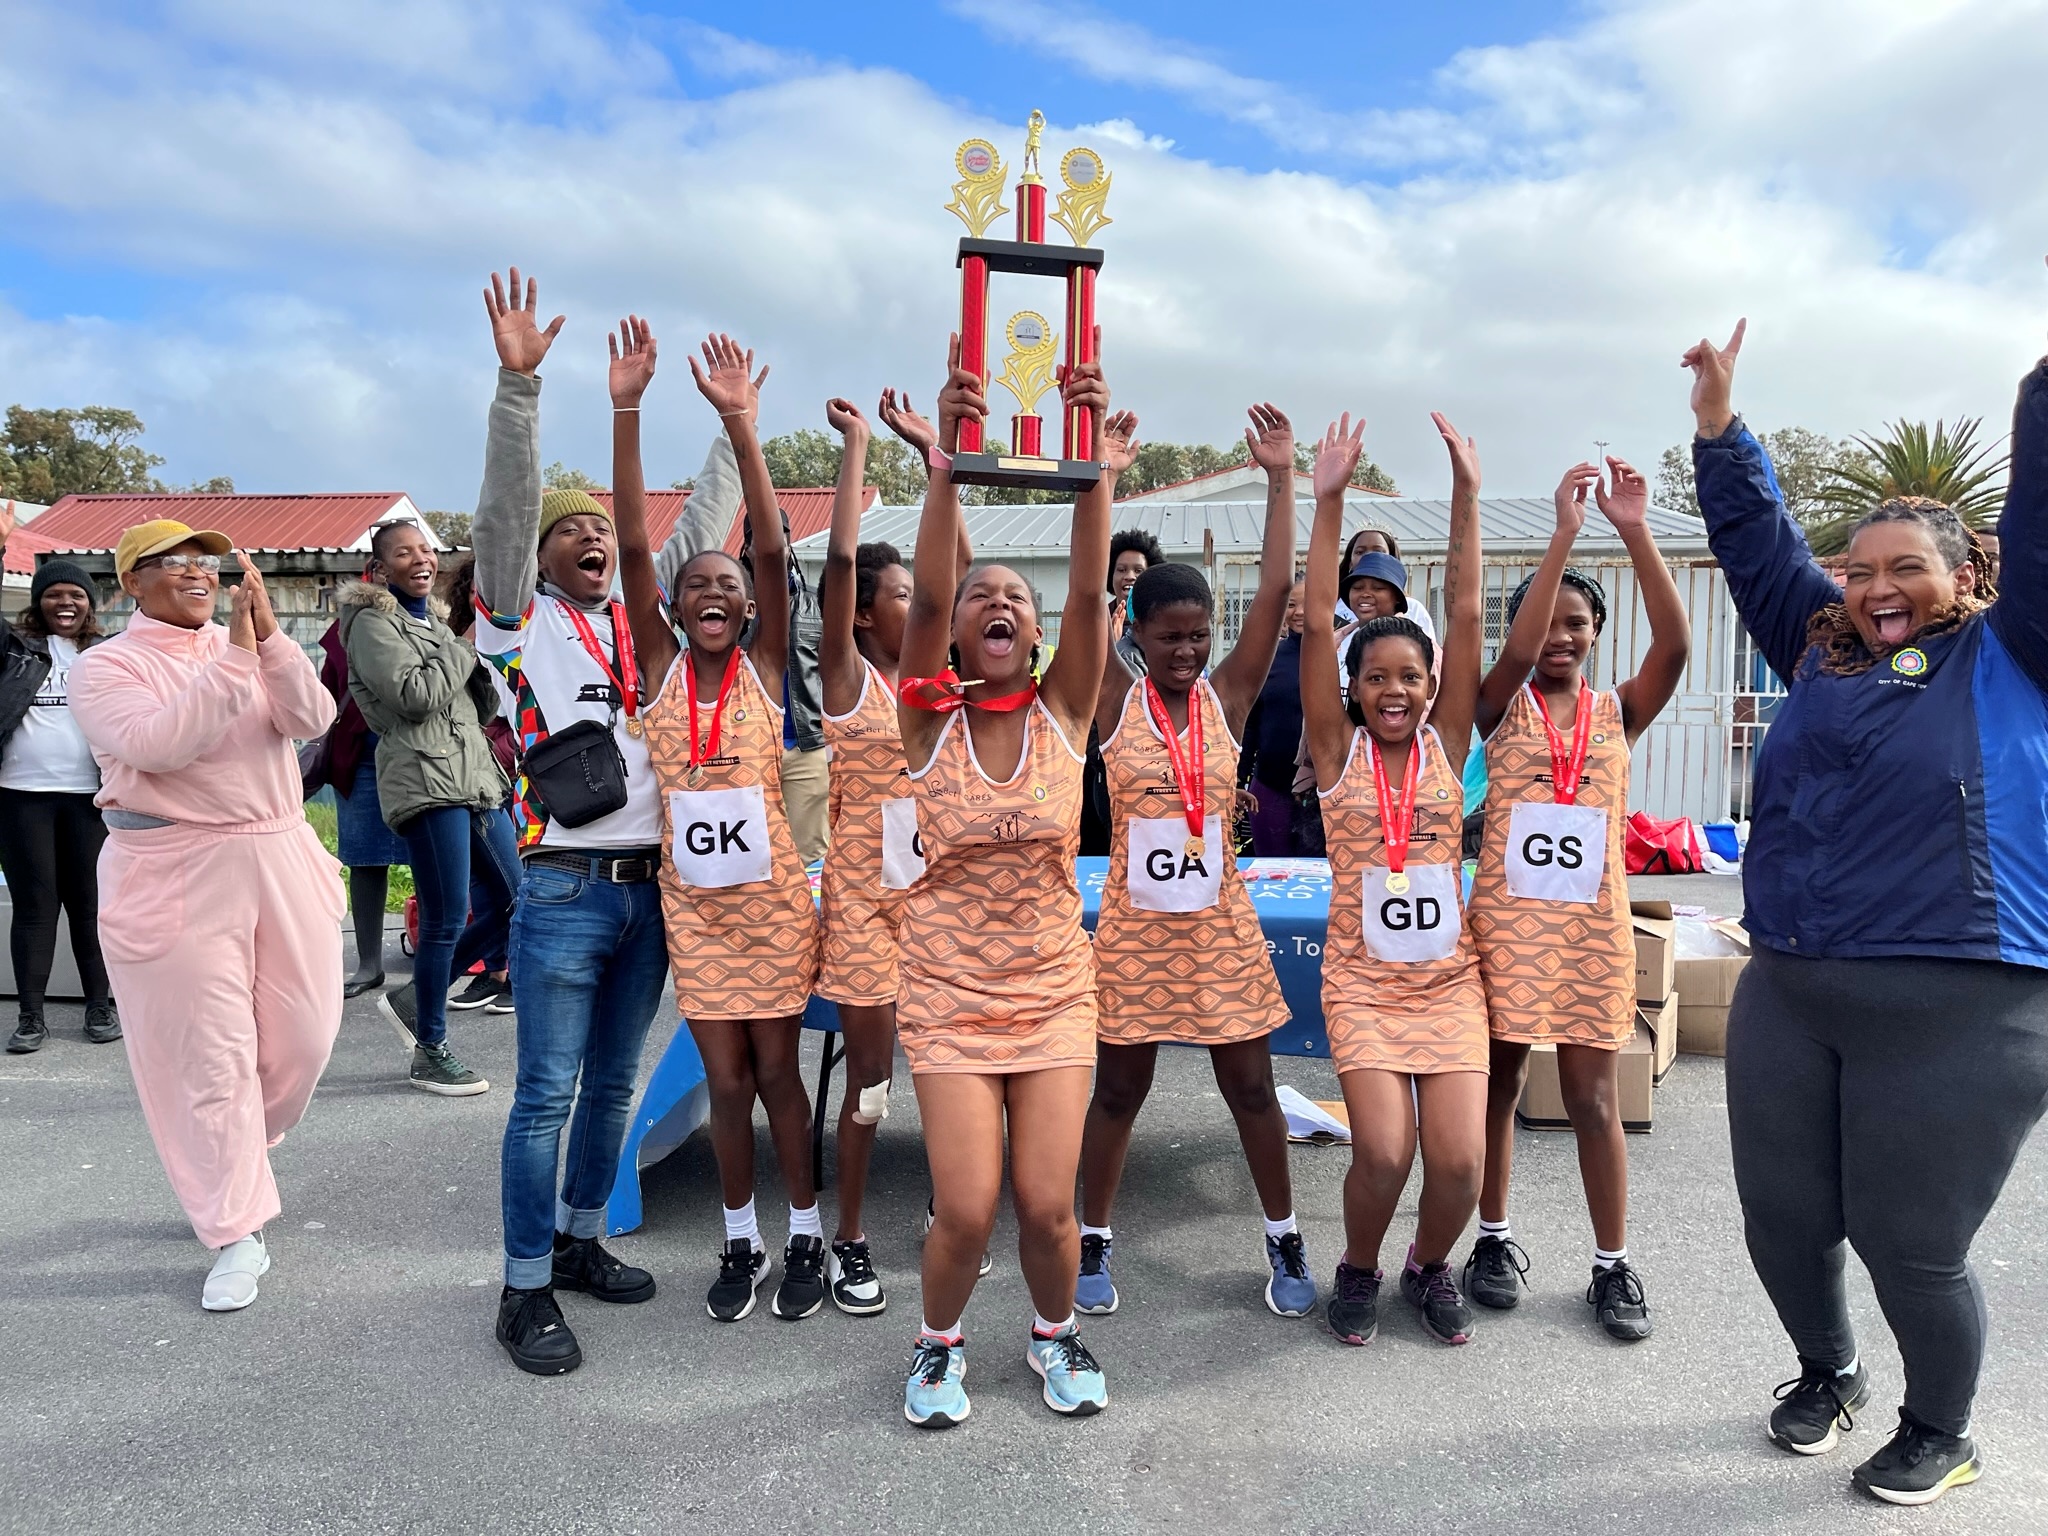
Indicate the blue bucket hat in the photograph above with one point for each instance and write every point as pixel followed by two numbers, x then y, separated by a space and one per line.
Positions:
pixel 1381 567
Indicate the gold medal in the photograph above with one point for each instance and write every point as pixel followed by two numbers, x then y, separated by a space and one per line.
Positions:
pixel 1397 883
pixel 694 777
pixel 1194 847
pixel 633 726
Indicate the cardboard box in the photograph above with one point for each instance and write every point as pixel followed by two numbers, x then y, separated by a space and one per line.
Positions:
pixel 1656 933
pixel 1705 988
pixel 1644 1061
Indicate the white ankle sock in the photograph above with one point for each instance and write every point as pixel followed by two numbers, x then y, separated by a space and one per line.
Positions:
pixel 1047 1330
pixel 805 1223
pixel 740 1221
pixel 1603 1259
pixel 1102 1232
pixel 1280 1228
pixel 1499 1229
pixel 943 1335
pixel 1850 1368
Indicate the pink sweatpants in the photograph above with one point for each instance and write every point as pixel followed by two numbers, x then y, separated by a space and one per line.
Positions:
pixel 224 948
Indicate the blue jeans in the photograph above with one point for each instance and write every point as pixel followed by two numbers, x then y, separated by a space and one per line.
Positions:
pixel 588 961
pixel 454 850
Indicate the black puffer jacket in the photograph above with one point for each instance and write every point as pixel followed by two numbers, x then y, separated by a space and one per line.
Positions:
pixel 24 663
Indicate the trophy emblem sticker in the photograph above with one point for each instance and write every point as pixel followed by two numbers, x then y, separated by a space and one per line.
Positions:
pixel 1080 213
pixel 978 194
pixel 1028 372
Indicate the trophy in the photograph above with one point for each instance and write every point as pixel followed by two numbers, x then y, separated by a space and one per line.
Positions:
pixel 1029 371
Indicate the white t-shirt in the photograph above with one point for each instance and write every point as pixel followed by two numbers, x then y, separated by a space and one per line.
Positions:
pixel 48 752
pixel 542 669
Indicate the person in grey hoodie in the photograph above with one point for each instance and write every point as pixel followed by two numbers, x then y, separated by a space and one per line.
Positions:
pixel 423 691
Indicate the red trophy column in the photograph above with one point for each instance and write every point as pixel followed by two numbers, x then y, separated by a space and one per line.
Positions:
pixel 973 337
pixel 1025 434
pixel 1078 437
pixel 1031 210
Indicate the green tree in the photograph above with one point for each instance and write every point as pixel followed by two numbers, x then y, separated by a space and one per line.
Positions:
pixel 45 455
pixel 802 459
pixel 1162 464
pixel 218 485
pixel 895 471
pixel 1910 459
pixel 558 477
pixel 1806 462
pixel 451 527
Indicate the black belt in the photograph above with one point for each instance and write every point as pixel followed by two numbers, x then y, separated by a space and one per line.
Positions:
pixel 634 868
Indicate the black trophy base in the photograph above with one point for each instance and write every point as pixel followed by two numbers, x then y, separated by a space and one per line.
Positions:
pixel 1022 472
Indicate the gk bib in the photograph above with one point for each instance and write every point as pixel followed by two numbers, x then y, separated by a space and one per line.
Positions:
pixel 721 837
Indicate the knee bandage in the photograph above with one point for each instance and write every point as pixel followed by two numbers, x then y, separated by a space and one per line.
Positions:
pixel 873 1107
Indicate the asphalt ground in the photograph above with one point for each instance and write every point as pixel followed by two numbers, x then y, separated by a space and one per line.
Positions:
pixel 363 1391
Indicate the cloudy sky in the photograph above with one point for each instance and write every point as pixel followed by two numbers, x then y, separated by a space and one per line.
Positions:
pixel 265 227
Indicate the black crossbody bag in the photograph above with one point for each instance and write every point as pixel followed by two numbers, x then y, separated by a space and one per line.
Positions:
pixel 576 775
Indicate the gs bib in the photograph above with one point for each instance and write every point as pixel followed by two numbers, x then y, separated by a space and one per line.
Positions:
pixel 1556 852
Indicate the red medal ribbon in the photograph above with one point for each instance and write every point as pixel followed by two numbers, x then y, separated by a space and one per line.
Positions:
pixel 732 670
pixel 627 684
pixel 1188 774
pixel 944 693
pixel 1565 770
pixel 1397 818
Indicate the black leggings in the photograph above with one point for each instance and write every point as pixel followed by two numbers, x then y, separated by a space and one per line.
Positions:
pixel 1883 1101
pixel 50 851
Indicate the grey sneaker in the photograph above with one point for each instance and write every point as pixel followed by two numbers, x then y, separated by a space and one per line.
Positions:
pixel 436 1069
pixel 29 1034
pixel 101 1024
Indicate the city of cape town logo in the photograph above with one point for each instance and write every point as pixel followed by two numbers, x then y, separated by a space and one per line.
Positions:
pixel 1910 662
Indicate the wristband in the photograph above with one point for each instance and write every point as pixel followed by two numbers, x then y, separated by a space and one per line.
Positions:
pixel 620 410
pixel 938 458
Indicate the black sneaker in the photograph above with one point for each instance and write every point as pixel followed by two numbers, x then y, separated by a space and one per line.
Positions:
pixel 102 1025
pixel 930 1216
pixel 1918 1465
pixel 741 1269
pixel 1813 1404
pixel 1496 1274
pixel 438 1070
pixel 401 1009
pixel 29 1034
pixel 534 1333
pixel 582 1264
pixel 1616 1296
pixel 1433 1293
pixel 481 990
pixel 802 1290
pixel 1353 1309
pixel 502 1002
pixel 856 1288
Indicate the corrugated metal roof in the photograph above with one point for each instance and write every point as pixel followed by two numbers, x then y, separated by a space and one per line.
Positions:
pixel 1507 524
pixel 809 509
pixel 337 521
pixel 23 548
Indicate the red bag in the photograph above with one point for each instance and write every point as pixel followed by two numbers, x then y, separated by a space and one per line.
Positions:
pixel 1654 847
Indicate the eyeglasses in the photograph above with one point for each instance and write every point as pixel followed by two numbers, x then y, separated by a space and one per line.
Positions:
pixel 178 565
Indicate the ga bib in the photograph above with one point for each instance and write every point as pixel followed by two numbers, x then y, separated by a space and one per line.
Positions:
pixel 902 848
pixel 720 837
pixel 1162 876
pixel 1420 923
pixel 1556 852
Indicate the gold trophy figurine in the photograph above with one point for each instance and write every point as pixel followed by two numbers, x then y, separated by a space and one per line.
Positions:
pixel 1034 130
pixel 1028 373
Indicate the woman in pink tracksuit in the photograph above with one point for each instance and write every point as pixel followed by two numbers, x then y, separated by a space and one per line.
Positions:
pixel 220 912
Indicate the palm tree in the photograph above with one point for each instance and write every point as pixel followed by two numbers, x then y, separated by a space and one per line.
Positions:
pixel 1908 460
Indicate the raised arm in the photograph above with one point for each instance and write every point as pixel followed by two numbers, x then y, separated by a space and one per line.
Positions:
pixel 1625 502
pixel 928 627
pixel 632 370
pixel 725 379
pixel 1073 681
pixel 1772 576
pixel 1524 642
pixel 1238 678
pixel 1117 678
pixel 1464 636
pixel 1324 720
pixel 839 667
pixel 922 437
pixel 506 529
pixel 2020 615
pixel 707 515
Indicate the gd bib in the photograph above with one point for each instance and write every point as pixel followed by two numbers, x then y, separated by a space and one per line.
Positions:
pixel 902 848
pixel 1163 876
pixel 721 837
pixel 1420 922
pixel 1556 852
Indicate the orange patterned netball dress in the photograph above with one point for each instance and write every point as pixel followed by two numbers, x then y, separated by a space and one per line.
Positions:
pixel 1199 977
pixel 998 973
pixel 867 865
pixel 1399 1015
pixel 1555 970
pixel 742 928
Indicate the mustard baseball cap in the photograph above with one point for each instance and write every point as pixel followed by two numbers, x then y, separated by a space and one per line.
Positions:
pixel 160 534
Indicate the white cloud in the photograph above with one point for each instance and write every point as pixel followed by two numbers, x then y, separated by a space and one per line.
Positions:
pixel 325 221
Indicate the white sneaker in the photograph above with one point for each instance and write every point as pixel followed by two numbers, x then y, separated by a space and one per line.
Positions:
pixel 232 1284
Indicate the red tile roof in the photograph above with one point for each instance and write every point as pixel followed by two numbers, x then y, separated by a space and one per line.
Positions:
pixel 809 510
pixel 253 522
pixel 22 549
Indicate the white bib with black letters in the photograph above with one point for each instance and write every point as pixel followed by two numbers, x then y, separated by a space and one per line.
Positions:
pixel 1556 852
pixel 721 837
pixel 1162 876
pixel 902 848
pixel 1420 923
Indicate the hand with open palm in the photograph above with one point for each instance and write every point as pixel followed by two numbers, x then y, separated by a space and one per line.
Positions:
pixel 1337 456
pixel 632 365
pixel 726 377
pixel 521 343
pixel 1624 497
pixel 1271 438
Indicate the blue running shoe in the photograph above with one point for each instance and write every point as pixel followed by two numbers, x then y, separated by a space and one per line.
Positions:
pixel 1094 1291
pixel 1073 1381
pixel 934 1398
pixel 1292 1291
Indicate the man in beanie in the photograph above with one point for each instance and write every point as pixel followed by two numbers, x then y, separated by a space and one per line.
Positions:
pixel 587 946
pixel 50 830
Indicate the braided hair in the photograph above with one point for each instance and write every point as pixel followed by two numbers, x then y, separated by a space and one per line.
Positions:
pixel 1392 626
pixel 1578 581
pixel 1843 653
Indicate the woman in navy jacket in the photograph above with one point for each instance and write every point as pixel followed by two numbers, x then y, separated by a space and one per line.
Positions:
pixel 1888 1044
